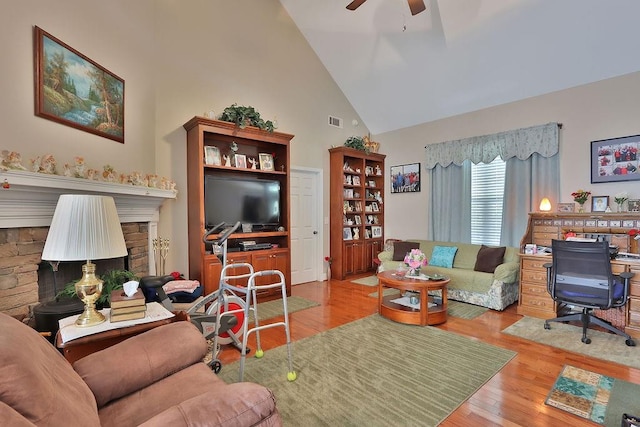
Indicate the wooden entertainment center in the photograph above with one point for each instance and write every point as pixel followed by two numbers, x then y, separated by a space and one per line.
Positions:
pixel 249 142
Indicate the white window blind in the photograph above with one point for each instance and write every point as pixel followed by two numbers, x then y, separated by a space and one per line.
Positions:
pixel 487 190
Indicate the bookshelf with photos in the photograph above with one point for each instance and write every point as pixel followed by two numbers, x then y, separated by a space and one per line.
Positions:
pixel 357 210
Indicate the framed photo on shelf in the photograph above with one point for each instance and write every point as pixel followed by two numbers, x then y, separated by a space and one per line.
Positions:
pixel 372 184
pixel 358 219
pixel 266 162
pixel 615 159
pixel 241 161
pixel 374 207
pixel 212 155
pixel 376 231
pixel 368 170
pixel 405 178
pixel 599 203
pixel 348 193
pixel 634 205
pixel 346 233
pixel 566 207
pixel 356 180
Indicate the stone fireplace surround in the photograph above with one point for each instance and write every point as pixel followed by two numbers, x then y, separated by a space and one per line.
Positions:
pixel 27 207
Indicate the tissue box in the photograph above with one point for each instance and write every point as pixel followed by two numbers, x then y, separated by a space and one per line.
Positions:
pixel 119 299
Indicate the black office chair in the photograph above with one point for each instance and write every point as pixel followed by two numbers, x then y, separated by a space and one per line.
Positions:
pixel 580 275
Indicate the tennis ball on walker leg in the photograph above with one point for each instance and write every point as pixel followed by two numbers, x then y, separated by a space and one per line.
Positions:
pixel 259 353
pixel 291 376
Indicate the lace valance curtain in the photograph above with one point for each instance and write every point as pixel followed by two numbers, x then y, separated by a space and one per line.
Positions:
pixel 520 143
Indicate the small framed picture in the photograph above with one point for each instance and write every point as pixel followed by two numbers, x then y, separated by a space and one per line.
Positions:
pixel 212 155
pixel 358 219
pixel 566 207
pixel 372 183
pixel 241 161
pixel 266 162
pixel 374 206
pixel 599 203
pixel 376 231
pixel 368 170
pixel 356 180
pixel 348 193
pixel 346 233
pixel 634 205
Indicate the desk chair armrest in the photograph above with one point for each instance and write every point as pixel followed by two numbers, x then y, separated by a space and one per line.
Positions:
pixel 141 360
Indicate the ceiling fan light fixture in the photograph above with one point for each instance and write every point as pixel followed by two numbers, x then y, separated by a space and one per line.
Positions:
pixel 416 6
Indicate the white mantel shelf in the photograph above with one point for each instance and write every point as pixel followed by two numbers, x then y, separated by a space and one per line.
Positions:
pixel 31 198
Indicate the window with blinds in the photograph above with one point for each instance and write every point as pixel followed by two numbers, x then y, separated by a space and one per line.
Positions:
pixel 487 191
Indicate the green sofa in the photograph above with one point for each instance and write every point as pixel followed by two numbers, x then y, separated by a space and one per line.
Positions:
pixel 495 290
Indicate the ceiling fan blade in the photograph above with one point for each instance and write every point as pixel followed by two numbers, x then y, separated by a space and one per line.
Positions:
pixel 416 6
pixel 355 4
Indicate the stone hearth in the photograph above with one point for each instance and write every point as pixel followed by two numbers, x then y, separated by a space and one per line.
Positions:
pixel 27 208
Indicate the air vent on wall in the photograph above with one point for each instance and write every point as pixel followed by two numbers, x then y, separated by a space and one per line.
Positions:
pixel 335 121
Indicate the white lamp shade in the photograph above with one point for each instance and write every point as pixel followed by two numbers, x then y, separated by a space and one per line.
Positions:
pixel 84 227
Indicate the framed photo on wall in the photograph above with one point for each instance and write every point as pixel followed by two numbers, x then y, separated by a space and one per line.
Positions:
pixel 599 203
pixel 405 178
pixel 75 91
pixel 615 159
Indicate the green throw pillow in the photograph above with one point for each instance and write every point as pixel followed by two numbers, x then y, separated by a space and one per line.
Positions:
pixel 442 256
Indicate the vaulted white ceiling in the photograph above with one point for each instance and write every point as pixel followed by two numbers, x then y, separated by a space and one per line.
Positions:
pixel 458 56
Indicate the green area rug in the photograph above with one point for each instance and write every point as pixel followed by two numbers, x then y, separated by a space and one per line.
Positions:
pixel 367 281
pixel 596 397
pixel 455 309
pixel 374 372
pixel 269 309
pixel 567 337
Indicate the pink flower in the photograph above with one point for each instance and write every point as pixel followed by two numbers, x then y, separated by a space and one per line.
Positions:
pixel 416 259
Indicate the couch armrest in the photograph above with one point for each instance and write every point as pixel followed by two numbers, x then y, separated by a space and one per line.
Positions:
pixel 507 272
pixel 11 417
pixel 239 404
pixel 141 360
pixel 385 256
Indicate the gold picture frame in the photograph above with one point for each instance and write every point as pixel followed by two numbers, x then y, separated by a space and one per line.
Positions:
pixel 266 161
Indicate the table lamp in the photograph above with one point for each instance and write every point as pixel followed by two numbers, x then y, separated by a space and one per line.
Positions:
pixel 84 228
pixel 545 205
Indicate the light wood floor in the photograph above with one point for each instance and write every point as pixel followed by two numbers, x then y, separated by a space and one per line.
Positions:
pixel 513 397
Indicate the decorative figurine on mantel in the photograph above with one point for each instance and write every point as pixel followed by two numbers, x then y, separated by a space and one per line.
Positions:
pixel 227 160
pixel 79 168
pixel 11 160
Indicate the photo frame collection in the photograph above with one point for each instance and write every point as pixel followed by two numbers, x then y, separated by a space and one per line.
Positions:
pixel 213 157
pixel 615 159
pixel 405 178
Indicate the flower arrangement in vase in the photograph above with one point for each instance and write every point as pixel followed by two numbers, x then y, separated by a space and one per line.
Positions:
pixel 581 197
pixel 620 198
pixel 415 260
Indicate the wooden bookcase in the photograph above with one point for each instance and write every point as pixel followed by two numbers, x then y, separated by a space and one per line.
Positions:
pixel 203 132
pixel 357 210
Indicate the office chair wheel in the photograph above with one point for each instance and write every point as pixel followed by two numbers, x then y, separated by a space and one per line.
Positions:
pixel 216 366
pixel 630 342
pixel 586 340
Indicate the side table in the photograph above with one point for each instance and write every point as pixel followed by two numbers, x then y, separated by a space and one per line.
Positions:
pixel 423 316
pixel 81 347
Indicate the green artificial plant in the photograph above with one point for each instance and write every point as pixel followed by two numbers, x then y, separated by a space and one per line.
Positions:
pixel 112 280
pixel 356 142
pixel 245 116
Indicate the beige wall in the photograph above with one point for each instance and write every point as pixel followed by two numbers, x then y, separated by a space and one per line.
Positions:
pixel 601 110
pixel 178 59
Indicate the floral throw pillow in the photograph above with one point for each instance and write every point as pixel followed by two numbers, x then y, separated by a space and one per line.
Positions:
pixel 442 256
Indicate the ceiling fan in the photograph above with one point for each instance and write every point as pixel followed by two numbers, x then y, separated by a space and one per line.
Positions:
pixel 416 6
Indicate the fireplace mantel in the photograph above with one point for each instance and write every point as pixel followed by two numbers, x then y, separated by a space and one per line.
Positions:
pixel 31 198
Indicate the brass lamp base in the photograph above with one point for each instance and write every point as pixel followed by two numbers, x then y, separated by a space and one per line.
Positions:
pixel 89 289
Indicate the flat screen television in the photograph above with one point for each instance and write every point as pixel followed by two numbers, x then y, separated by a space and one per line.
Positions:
pixel 248 200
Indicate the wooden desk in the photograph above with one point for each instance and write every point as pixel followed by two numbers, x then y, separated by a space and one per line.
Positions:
pixel 399 313
pixel 81 347
pixel 543 227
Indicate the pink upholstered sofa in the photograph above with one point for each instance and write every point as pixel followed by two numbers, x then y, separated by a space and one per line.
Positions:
pixel 153 379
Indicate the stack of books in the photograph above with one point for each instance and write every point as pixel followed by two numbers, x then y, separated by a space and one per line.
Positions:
pixel 127 308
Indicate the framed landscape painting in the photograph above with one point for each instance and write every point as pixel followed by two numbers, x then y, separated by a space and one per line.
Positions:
pixel 73 90
pixel 615 159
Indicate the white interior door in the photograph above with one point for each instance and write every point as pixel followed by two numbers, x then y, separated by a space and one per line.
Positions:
pixel 306 220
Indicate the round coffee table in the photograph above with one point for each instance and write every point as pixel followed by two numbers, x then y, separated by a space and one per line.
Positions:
pixel 422 316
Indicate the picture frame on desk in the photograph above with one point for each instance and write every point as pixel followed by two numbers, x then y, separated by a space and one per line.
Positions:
pixel 566 207
pixel 599 203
